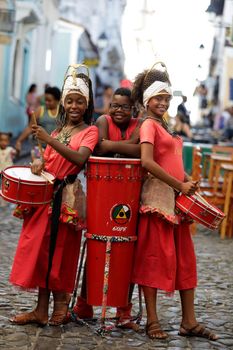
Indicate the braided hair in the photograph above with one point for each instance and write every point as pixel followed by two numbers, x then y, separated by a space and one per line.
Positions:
pixel 143 81
pixel 87 117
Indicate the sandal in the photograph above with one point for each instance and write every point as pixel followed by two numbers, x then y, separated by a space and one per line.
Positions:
pixel 59 316
pixel 197 331
pixel 27 318
pixel 154 331
pixel 128 325
pixel 124 318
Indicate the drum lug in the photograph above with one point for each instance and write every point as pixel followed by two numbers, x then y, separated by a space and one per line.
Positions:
pixel 119 177
pixel 131 178
pixel 108 177
pixel 204 213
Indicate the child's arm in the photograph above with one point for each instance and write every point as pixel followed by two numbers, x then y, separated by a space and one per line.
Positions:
pixel 26 132
pixel 147 152
pixel 78 157
pixel 105 146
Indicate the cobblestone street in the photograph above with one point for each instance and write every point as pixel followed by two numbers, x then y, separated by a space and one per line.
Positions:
pixel 214 304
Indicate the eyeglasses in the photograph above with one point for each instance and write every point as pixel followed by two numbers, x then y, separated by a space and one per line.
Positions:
pixel 123 107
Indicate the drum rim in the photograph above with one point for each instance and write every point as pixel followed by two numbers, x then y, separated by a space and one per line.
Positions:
pixel 212 226
pixel 215 209
pixel 22 202
pixel 12 178
pixel 113 160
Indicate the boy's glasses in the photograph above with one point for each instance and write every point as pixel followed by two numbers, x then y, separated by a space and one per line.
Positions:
pixel 123 107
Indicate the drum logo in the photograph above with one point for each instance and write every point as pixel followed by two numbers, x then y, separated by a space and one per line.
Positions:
pixel 121 213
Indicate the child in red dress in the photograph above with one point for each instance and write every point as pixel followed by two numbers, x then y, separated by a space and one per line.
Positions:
pixel 118 136
pixel 165 257
pixel 47 253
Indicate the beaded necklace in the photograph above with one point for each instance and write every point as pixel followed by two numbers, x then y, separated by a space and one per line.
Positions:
pixel 64 135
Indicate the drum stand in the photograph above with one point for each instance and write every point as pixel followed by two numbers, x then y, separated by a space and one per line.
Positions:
pixel 109 240
pixel 73 316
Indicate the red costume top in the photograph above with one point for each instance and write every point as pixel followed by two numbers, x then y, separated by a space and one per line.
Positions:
pixel 30 264
pixel 114 132
pixel 167 148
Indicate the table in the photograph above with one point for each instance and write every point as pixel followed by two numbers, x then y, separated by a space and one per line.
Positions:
pixel 227 188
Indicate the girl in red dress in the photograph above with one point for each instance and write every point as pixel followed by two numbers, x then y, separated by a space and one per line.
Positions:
pixel 165 257
pixel 47 254
pixel 118 136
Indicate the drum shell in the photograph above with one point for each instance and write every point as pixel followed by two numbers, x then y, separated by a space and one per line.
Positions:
pixel 20 191
pixel 112 184
pixel 209 216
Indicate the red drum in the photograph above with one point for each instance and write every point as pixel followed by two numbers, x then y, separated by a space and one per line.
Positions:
pixel 20 186
pixel 113 193
pixel 200 210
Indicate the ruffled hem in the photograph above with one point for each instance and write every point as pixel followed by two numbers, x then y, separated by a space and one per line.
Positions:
pixel 22 210
pixel 173 219
pixel 70 216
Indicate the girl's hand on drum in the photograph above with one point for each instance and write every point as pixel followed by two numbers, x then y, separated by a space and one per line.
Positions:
pixel 37 166
pixel 40 133
pixel 188 187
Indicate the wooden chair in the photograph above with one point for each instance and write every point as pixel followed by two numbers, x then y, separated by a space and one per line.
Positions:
pixel 218 152
pixel 196 164
pixel 224 199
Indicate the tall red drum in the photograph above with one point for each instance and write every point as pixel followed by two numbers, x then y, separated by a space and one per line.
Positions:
pixel 113 193
pixel 20 186
pixel 200 210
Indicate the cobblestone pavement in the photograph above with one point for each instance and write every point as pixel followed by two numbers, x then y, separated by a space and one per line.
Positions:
pixel 213 302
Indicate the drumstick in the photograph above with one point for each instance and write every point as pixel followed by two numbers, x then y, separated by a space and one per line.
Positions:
pixel 39 143
pixel 46 177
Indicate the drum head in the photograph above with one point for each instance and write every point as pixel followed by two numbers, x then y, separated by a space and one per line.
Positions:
pixel 24 173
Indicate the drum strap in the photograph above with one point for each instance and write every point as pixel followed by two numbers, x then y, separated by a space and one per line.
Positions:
pixel 57 200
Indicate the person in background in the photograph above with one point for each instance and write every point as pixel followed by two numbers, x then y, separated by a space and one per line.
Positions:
pixel 118 137
pixel 182 110
pixel 164 257
pixel 47 254
pixel 42 97
pixel 181 128
pixel 32 100
pixel 46 117
pixel 228 130
pixel 106 100
pixel 7 152
pixel 7 155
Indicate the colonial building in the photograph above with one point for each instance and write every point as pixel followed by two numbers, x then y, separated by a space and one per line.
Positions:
pixel 221 60
pixel 36 46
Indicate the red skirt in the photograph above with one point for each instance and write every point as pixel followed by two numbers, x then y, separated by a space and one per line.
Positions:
pixel 30 264
pixel 164 255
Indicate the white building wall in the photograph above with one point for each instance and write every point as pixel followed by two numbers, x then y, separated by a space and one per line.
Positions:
pixel 101 16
